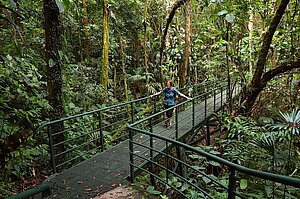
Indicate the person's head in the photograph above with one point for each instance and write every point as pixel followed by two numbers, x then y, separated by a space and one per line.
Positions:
pixel 169 84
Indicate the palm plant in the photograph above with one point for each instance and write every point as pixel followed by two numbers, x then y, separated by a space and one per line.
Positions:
pixel 289 123
pixel 288 127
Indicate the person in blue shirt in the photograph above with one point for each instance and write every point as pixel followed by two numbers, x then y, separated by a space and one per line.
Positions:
pixel 169 100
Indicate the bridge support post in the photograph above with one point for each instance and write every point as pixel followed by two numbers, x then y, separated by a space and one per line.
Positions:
pixel 207 136
pixel 181 156
pixel 232 184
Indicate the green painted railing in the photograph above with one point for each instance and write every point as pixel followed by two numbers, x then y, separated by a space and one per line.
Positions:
pixel 76 138
pixel 179 167
pixel 45 190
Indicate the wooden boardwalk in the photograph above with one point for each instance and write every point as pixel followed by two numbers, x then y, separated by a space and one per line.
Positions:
pixel 110 169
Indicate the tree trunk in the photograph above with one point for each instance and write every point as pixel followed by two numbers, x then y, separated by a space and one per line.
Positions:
pixel 186 65
pixel 259 80
pixel 145 48
pixel 54 77
pixel 86 30
pixel 250 27
pixel 104 65
pixel 78 19
pixel 123 68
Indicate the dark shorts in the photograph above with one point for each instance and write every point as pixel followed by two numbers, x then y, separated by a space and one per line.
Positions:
pixel 169 113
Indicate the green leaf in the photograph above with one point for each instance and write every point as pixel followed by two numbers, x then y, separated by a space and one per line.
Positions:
pixel 17 168
pixel 71 105
pixel 152 190
pixel 222 12
pixel 196 156
pixel 206 180
pixel 51 63
pixel 216 164
pixel 9 57
pixel 230 18
pixel 215 152
pixel 243 183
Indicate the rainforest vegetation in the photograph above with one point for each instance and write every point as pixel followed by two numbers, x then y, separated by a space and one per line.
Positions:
pixel 64 57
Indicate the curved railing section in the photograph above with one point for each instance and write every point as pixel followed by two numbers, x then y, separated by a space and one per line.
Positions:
pixel 44 190
pixel 191 172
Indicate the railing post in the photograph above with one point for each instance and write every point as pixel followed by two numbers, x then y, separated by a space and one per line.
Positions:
pixel 101 132
pixel 51 149
pixel 222 98
pixel 205 106
pixel 132 112
pixel 193 114
pixel 167 162
pixel 151 154
pixel 131 156
pixel 232 184
pixel 214 99
pixel 207 137
pixel 176 123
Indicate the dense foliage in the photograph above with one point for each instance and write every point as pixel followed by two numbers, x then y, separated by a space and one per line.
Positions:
pixel 225 42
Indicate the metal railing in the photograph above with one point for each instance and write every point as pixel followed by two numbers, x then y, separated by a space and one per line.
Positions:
pixel 45 190
pixel 185 169
pixel 76 138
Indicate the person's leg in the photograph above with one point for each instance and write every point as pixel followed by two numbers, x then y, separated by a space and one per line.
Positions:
pixel 170 115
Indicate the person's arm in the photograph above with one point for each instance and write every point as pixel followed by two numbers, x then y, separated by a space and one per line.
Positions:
pixel 183 95
pixel 158 93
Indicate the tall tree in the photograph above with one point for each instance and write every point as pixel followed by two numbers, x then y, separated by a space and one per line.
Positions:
pixel 105 48
pixel 183 72
pixel 53 46
pixel 54 76
pixel 145 46
pixel 177 5
pixel 122 55
pixel 260 80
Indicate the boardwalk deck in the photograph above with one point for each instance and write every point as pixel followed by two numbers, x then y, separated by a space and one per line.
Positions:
pixel 109 169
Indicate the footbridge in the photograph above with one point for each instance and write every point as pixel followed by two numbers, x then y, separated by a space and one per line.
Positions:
pixel 94 152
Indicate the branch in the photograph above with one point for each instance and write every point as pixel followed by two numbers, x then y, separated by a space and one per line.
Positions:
pixel 279 70
pixel 267 42
pixel 169 20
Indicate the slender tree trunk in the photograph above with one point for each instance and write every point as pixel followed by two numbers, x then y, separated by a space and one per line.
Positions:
pixel 54 76
pixel 145 47
pixel 104 65
pixel 123 68
pixel 186 65
pixel 179 64
pixel 79 33
pixel 86 30
pixel 115 81
pixel 250 27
